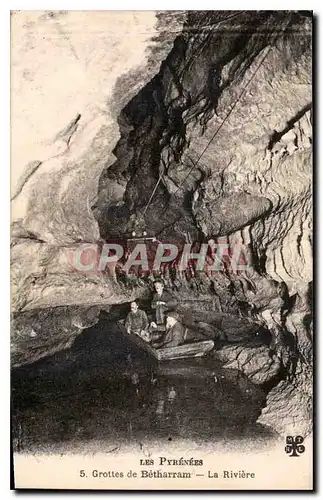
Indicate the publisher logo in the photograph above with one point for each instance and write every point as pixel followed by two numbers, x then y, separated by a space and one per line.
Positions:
pixel 294 446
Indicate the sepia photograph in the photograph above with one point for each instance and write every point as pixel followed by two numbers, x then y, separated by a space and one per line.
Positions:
pixel 161 250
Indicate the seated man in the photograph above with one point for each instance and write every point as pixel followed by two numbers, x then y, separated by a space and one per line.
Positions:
pixel 137 321
pixel 175 332
pixel 162 302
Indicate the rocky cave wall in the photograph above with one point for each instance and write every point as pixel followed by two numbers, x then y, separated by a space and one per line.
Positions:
pixel 221 106
pixel 65 69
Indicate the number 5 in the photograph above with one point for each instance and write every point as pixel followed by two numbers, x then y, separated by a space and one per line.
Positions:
pixel 82 473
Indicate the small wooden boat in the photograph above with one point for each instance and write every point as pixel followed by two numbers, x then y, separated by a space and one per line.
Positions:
pixel 192 350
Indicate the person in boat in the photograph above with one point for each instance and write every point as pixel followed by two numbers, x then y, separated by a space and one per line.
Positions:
pixel 137 321
pixel 162 303
pixel 175 332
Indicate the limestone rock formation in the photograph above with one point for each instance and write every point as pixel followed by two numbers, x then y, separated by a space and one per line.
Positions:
pixel 41 332
pixel 255 362
pixel 64 112
pixel 216 107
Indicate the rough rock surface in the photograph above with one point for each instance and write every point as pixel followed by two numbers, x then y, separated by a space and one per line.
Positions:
pixel 255 362
pixel 63 137
pixel 41 332
pixel 220 105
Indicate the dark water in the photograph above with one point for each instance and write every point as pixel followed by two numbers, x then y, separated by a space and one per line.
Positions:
pixel 106 389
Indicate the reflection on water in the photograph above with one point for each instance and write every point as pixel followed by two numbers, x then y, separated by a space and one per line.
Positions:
pixel 106 390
